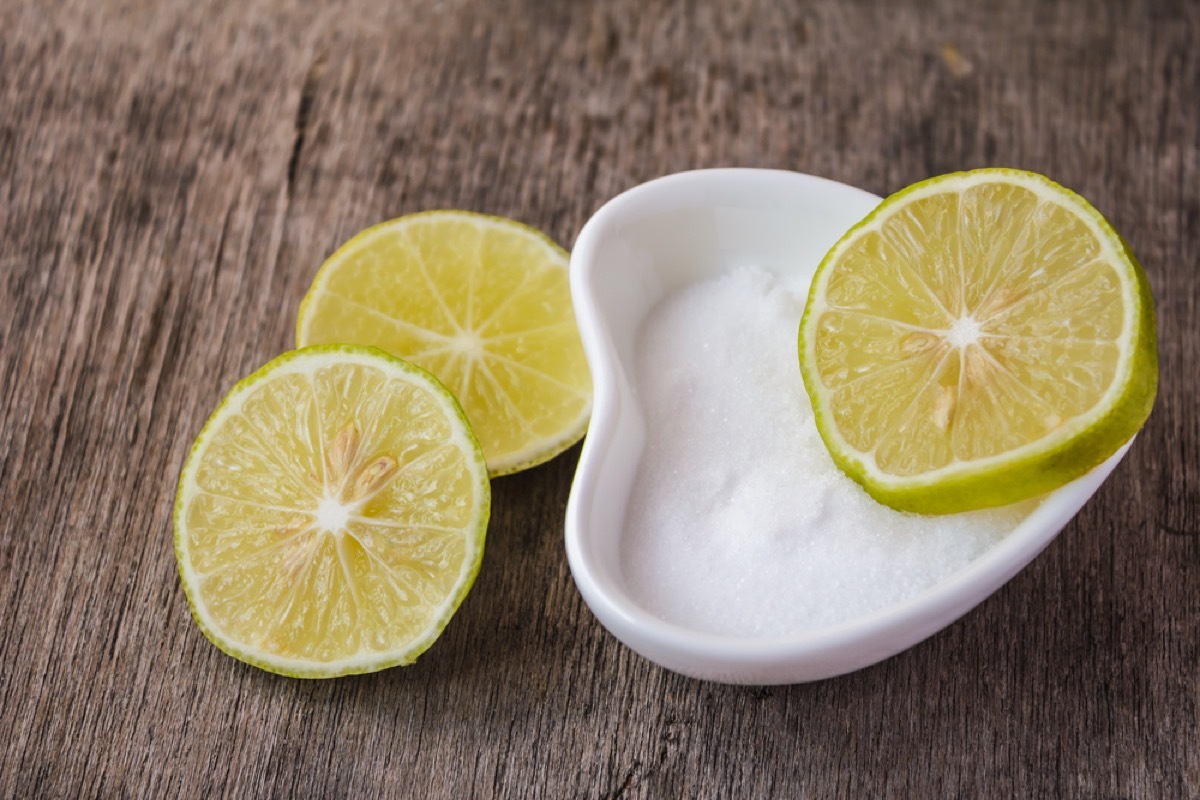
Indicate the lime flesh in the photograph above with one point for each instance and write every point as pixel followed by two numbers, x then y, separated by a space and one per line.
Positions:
pixel 980 338
pixel 331 516
pixel 481 302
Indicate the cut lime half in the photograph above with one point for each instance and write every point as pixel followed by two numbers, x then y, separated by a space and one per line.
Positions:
pixel 980 338
pixel 331 515
pixel 481 302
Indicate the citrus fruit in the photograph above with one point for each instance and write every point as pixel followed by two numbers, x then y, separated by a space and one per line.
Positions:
pixel 980 338
pixel 331 515
pixel 481 302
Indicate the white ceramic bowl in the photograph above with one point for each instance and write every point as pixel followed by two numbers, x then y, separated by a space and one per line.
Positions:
pixel 652 240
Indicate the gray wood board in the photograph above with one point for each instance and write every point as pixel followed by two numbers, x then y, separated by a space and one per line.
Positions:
pixel 171 176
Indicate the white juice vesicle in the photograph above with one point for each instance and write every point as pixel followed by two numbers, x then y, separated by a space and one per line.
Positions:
pixel 739 523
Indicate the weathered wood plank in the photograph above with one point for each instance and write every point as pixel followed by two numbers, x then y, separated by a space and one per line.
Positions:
pixel 172 174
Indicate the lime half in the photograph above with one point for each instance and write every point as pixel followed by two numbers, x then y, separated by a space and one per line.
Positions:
pixel 980 338
pixel 481 302
pixel 331 516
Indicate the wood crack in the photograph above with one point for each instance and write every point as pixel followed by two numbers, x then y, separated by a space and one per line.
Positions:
pixel 308 91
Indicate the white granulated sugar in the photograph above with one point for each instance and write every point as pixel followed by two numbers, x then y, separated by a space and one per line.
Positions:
pixel 739 522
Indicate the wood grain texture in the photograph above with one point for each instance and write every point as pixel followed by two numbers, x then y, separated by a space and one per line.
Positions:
pixel 171 176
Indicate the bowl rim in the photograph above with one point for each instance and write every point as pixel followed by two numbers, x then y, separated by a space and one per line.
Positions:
pixel 925 612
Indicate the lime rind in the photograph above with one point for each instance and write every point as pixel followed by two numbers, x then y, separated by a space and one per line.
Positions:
pixel 539 451
pixel 293 361
pixel 1037 467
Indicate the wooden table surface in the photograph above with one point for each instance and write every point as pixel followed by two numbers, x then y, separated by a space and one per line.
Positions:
pixel 171 176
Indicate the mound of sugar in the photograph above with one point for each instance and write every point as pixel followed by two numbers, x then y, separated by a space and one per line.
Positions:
pixel 739 522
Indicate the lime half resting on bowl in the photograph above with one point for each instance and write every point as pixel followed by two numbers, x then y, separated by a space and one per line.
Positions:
pixel 980 338
pixel 331 515
pixel 481 302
